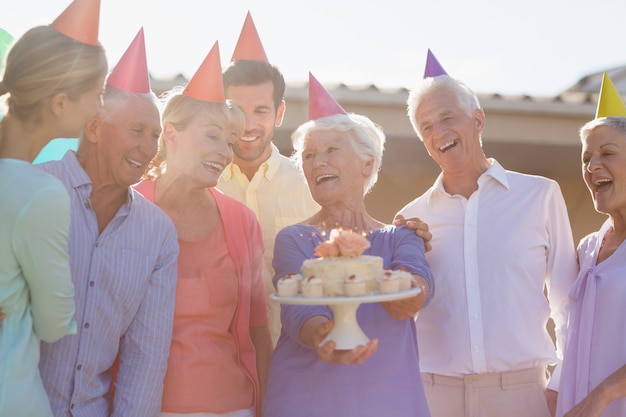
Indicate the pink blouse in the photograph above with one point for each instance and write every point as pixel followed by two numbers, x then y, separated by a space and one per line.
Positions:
pixel 203 373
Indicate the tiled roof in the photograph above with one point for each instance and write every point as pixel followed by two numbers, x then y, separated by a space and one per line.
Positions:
pixel 584 92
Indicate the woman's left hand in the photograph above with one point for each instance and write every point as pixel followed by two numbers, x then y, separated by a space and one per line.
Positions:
pixel 590 406
pixel 407 307
pixel 593 405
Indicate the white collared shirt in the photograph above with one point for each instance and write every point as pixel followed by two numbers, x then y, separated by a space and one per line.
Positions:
pixel 492 255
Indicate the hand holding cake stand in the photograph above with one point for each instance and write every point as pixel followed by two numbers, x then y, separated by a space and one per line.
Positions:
pixel 346 332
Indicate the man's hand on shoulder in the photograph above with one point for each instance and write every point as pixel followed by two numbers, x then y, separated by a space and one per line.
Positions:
pixel 421 228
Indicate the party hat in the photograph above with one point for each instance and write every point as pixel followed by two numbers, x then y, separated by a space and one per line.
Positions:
pixel 321 103
pixel 206 84
pixel 610 102
pixel 131 72
pixel 80 21
pixel 433 67
pixel 249 45
pixel 5 41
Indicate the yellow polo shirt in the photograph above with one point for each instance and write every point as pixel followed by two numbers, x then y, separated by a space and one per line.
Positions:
pixel 279 196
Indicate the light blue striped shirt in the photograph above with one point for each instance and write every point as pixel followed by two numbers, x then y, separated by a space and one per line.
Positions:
pixel 125 280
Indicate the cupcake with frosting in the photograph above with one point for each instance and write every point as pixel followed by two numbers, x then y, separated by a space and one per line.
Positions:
pixel 405 278
pixel 312 287
pixel 354 286
pixel 289 285
pixel 389 283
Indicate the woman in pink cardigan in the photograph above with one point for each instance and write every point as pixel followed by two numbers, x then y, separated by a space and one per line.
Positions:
pixel 220 343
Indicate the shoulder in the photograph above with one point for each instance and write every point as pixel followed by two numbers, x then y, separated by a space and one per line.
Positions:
pixel 393 235
pixel 149 213
pixel 531 180
pixel 299 232
pixel 226 202
pixel 413 208
pixel 533 185
pixel 31 183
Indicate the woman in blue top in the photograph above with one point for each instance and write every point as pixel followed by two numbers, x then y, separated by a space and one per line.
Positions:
pixel 340 155
pixel 54 84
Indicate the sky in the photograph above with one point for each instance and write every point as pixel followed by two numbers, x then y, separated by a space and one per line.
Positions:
pixel 534 47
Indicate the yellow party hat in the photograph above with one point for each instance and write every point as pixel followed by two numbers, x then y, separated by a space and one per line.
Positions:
pixel 610 102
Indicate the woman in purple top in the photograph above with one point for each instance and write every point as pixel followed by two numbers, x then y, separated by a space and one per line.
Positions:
pixel 340 155
pixel 593 379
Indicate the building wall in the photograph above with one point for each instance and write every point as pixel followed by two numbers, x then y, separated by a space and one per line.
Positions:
pixel 524 135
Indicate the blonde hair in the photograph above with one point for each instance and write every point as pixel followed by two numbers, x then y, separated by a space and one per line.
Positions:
pixel 180 110
pixel 44 62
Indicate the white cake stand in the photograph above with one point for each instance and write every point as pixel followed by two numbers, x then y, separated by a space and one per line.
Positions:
pixel 346 332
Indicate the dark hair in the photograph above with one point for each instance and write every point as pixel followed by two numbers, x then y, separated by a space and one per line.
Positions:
pixel 247 72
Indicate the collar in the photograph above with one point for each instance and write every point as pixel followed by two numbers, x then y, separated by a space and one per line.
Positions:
pixel 267 168
pixel 78 176
pixel 494 172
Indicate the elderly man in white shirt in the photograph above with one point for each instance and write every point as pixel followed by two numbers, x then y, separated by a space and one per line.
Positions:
pixel 499 238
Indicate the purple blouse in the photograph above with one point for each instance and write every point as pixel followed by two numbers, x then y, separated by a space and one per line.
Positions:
pixel 596 339
pixel 388 383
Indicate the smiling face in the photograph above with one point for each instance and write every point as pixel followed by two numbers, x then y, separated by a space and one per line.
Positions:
pixel 201 151
pixel 450 134
pixel 127 140
pixel 257 103
pixel 603 158
pixel 332 167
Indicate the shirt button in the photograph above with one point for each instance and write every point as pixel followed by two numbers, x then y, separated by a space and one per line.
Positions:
pixel 86 325
pixel 79 367
pixel 72 407
pixel 474 316
pixel 91 283
pixel 477 348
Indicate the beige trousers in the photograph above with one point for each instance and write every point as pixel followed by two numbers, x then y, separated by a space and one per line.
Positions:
pixel 505 394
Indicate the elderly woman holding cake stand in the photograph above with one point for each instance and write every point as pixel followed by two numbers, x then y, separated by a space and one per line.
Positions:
pixel 340 155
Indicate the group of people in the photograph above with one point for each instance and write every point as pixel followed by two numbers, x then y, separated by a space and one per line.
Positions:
pixel 135 271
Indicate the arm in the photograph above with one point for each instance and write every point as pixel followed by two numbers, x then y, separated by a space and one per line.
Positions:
pixel 259 330
pixel 145 346
pixel 290 250
pixel 408 253
pixel 561 271
pixel 408 307
pixel 263 346
pixel 41 244
pixel 593 405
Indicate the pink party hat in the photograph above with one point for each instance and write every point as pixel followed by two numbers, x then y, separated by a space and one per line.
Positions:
pixel 131 72
pixel 207 84
pixel 433 67
pixel 80 21
pixel 249 45
pixel 610 102
pixel 321 103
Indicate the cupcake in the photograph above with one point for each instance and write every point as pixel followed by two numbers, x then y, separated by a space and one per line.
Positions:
pixel 405 278
pixel 354 286
pixel 288 286
pixel 389 283
pixel 312 287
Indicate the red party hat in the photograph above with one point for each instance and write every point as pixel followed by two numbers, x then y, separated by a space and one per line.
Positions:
pixel 433 67
pixel 131 72
pixel 80 21
pixel 206 84
pixel 249 45
pixel 321 103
